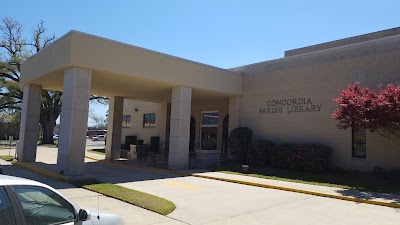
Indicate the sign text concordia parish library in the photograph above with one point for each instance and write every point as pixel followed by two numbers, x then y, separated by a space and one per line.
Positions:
pixel 290 105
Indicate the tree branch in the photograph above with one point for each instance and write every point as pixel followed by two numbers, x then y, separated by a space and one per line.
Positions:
pixel 6 75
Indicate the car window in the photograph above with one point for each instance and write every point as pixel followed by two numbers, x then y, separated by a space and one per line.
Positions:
pixel 42 206
pixel 6 213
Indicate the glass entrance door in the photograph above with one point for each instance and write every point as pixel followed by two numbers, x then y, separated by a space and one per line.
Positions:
pixel 209 128
pixel 209 138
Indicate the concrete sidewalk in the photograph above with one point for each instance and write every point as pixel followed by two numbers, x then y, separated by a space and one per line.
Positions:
pixel 48 156
pixel 210 201
pixel 85 198
pixel 375 198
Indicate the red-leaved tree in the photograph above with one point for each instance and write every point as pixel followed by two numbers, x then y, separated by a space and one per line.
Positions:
pixel 374 110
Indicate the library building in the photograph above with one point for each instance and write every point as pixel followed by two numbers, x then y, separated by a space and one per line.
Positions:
pixel 189 108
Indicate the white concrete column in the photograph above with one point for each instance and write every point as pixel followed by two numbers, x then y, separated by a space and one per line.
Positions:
pixel 29 128
pixel 114 128
pixel 74 119
pixel 178 158
pixel 234 103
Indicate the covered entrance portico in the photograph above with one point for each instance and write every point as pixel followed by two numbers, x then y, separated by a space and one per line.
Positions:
pixel 81 65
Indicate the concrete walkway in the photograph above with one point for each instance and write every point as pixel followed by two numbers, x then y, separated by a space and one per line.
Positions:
pixel 208 201
pixel 370 197
pixel 85 198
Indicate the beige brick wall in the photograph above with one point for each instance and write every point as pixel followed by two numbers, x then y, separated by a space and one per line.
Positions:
pixel 161 118
pixel 137 128
pixel 319 77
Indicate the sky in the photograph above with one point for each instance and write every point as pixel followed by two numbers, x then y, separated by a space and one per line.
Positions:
pixel 221 33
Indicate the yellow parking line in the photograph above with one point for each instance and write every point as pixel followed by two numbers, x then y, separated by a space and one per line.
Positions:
pixel 183 185
pixel 351 199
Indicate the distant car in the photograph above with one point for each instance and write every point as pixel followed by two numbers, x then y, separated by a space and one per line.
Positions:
pixel 99 138
pixel 55 137
pixel 24 201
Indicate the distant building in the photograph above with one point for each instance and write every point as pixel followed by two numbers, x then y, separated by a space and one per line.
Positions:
pixel 91 133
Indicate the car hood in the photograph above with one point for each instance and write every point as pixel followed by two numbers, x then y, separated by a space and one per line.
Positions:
pixel 105 218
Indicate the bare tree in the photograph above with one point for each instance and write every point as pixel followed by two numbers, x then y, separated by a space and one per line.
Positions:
pixel 99 122
pixel 14 49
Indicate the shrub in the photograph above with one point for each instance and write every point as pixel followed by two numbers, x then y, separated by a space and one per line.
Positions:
pixel 312 157
pixel 309 157
pixel 379 172
pixel 386 173
pixel 239 142
pixel 394 173
pixel 260 153
pixel 283 155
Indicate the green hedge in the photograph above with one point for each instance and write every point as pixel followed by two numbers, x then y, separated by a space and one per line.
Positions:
pixel 260 153
pixel 308 157
pixel 240 140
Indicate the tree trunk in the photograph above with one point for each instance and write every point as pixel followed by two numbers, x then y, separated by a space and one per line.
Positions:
pixel 47 129
pixel 49 112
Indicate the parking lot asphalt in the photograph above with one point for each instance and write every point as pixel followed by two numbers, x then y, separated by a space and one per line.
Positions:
pixel 207 201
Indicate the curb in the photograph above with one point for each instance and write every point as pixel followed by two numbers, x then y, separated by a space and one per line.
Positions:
pixel 41 171
pixel 67 179
pixel 356 200
pixel 95 159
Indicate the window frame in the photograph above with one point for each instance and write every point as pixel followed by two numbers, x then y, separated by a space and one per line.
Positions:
pixel 125 122
pixel 15 216
pixel 152 123
pixel 355 152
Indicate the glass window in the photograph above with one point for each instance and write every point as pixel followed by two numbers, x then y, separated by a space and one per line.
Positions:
pixel 149 120
pixel 359 142
pixel 42 206
pixel 209 128
pixel 126 121
pixel 209 118
pixel 6 212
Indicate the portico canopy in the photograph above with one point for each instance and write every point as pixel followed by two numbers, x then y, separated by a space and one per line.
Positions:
pixel 119 69
pixel 81 65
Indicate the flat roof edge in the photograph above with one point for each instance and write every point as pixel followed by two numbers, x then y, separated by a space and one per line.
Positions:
pixel 334 52
pixel 344 41
pixel 149 50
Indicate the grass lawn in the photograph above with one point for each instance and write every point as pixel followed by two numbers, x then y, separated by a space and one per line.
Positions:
pixel 345 179
pixel 147 201
pixel 55 145
pixel 7 157
pixel 100 151
pixel 7 146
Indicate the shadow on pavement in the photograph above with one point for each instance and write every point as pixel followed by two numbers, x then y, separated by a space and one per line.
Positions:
pixel 14 170
pixel 369 195
pixel 102 172
pixel 116 173
pixel 128 171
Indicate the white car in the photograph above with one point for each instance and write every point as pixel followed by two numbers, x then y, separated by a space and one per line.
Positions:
pixel 28 202
pixel 99 138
